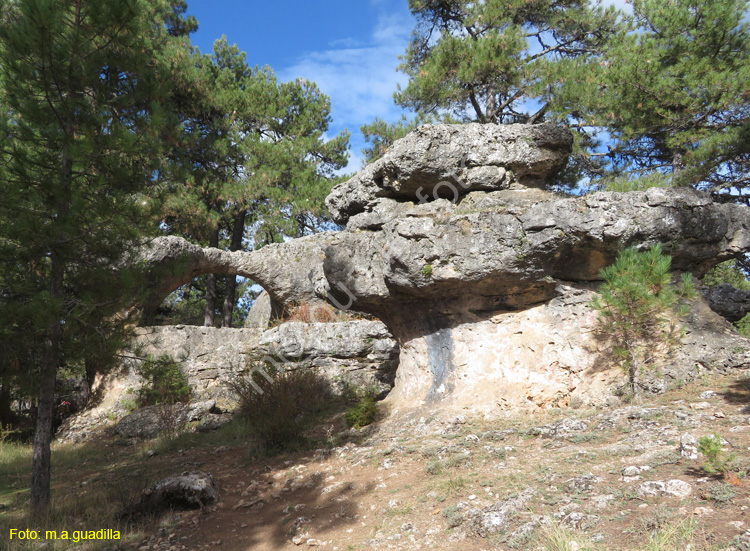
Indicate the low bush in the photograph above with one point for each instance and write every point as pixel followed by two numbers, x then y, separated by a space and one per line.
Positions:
pixel 717 460
pixel 163 382
pixel 280 404
pixel 363 413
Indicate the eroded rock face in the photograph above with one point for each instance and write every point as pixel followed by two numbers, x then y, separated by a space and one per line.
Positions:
pixel 546 355
pixel 471 156
pixel 489 294
pixel 357 353
pixel 484 278
pixel 290 272
pixel 514 254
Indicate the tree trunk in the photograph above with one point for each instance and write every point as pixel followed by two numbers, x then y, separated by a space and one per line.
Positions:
pixel 41 465
pixel 208 317
pixel 238 232
pixel 6 411
pixel 634 367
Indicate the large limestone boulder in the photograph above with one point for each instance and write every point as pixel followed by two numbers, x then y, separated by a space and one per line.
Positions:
pixel 445 258
pixel 451 160
pixel 357 353
pixel 488 291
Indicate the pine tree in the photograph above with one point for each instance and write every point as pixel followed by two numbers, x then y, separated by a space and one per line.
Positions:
pixel 82 85
pixel 268 167
pixel 671 91
pixel 489 61
pixel 638 307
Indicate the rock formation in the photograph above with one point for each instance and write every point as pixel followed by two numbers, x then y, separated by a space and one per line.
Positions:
pixel 483 277
pixel 730 302
pixel 359 353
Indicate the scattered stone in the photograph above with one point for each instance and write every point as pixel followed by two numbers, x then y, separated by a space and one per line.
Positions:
pixel 689 446
pixel 675 488
pixel 631 471
pixel 577 520
pixel 561 429
pixel 496 518
pixel 602 501
pixel 190 490
pixel 150 421
pixel 213 421
pixel 583 483
pixel 707 395
pixel 257 503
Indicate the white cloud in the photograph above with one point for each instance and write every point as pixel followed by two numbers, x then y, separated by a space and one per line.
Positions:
pixel 359 75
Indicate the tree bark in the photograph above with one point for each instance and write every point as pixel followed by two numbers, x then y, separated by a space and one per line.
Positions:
pixel 208 316
pixel 41 466
pixel 238 232
pixel 6 411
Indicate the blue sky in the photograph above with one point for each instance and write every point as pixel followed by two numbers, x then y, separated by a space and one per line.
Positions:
pixel 350 48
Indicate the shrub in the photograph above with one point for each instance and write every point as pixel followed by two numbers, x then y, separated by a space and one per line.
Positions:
pixel 310 312
pixel 717 460
pixel 453 516
pixel 638 306
pixel 280 404
pixel 363 413
pixel 163 382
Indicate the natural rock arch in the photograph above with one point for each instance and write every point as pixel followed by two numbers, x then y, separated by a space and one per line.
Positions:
pixel 456 281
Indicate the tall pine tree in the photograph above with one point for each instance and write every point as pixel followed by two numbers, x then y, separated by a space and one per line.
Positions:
pixel 251 154
pixel 82 84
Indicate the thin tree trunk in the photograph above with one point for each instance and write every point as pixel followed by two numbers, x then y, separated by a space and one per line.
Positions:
pixel 6 411
pixel 634 374
pixel 238 232
pixel 41 466
pixel 41 463
pixel 208 317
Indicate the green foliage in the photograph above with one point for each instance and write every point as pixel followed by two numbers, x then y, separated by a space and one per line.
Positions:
pixel 728 272
pixel 427 270
pixel 363 413
pixel 280 404
pixel 252 147
pixel 163 382
pixel 452 516
pixel 84 90
pixel 485 61
pixel 639 307
pixel 721 493
pixel 627 182
pixel 743 326
pixel 671 88
pixel 660 89
pixel 717 460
